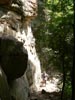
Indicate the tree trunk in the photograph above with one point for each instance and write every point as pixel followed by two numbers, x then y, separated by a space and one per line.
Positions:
pixel 64 78
pixel 73 68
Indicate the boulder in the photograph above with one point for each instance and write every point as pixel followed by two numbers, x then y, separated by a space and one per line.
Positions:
pixel 13 58
pixel 13 61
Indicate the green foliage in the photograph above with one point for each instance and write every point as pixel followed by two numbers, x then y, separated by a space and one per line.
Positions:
pixel 68 91
pixel 54 35
pixel 55 30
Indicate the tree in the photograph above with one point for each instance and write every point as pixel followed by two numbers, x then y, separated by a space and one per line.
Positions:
pixel 55 38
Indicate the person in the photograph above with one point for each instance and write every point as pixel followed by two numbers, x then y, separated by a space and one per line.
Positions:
pixel 44 79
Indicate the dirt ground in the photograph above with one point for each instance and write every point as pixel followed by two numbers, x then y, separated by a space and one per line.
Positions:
pixel 43 95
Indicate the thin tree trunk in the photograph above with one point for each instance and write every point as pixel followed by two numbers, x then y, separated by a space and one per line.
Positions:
pixel 73 81
pixel 73 68
pixel 64 77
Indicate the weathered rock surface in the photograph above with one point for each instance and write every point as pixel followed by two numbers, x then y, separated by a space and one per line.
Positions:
pixel 4 88
pixel 19 89
pixel 16 38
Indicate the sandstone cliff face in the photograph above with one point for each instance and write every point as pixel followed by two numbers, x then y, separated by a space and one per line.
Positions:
pixel 17 45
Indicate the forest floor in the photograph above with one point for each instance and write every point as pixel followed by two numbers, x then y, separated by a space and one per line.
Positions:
pixel 48 90
pixel 43 95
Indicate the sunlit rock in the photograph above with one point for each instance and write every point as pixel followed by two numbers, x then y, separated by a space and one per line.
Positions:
pixel 29 7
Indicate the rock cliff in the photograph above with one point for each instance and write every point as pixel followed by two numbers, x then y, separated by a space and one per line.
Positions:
pixel 18 57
